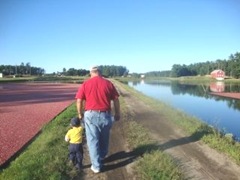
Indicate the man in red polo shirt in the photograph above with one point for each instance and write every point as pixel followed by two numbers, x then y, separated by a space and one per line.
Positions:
pixel 95 96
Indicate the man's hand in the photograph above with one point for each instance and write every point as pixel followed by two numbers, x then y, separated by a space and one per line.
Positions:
pixel 79 104
pixel 80 116
pixel 116 117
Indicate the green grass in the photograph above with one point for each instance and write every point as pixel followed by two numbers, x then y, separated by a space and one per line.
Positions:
pixel 156 165
pixel 47 156
pixel 66 79
pixel 223 144
pixel 184 79
pixel 17 79
pixel 153 164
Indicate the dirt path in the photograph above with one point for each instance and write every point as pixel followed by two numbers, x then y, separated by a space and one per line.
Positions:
pixel 197 160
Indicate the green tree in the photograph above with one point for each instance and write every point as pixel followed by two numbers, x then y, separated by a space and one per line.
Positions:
pixel 64 71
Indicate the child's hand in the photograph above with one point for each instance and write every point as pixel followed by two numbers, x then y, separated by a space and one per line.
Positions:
pixel 66 139
pixel 80 116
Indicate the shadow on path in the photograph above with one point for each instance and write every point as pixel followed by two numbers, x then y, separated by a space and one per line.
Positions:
pixel 123 158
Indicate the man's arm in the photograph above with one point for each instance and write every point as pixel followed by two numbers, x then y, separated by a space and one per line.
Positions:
pixel 79 105
pixel 117 109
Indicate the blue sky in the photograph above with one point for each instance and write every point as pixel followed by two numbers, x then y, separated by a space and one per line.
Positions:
pixel 142 35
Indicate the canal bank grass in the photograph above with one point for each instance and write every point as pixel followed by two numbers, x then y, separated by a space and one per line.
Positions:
pixel 153 164
pixel 193 127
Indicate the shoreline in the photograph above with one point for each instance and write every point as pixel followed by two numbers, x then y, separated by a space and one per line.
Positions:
pixel 226 94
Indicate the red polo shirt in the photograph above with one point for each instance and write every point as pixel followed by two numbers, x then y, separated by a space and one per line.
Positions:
pixel 97 93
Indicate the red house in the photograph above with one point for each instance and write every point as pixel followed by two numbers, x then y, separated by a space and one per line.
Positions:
pixel 218 74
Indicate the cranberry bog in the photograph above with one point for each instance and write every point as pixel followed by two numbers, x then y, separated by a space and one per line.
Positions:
pixel 25 108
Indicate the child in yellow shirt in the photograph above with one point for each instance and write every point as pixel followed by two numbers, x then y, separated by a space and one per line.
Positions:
pixel 74 137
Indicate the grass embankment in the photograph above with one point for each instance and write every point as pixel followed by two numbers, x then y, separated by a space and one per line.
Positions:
pixel 17 79
pixel 194 127
pixel 184 79
pixel 64 79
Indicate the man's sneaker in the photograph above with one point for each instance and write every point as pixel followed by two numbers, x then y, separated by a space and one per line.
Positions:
pixel 95 170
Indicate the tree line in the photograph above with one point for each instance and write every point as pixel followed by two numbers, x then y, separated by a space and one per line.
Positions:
pixel 27 69
pixel 106 70
pixel 20 70
pixel 230 66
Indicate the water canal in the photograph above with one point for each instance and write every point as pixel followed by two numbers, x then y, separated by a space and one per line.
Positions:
pixel 196 100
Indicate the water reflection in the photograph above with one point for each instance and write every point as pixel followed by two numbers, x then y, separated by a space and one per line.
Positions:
pixel 196 100
pixel 200 90
pixel 218 86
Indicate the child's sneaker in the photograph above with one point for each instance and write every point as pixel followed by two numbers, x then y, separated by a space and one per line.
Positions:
pixel 79 166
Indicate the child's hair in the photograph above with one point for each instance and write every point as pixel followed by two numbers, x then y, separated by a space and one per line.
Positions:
pixel 75 122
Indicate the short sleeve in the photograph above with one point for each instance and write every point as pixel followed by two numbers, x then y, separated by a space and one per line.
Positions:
pixel 115 93
pixel 80 93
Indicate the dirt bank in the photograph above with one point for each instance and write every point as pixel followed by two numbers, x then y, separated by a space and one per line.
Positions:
pixel 197 160
pixel 227 94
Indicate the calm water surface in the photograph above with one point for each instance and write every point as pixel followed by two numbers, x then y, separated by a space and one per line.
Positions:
pixel 195 100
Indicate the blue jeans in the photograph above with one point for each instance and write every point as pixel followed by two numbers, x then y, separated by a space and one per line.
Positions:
pixel 97 126
pixel 76 154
